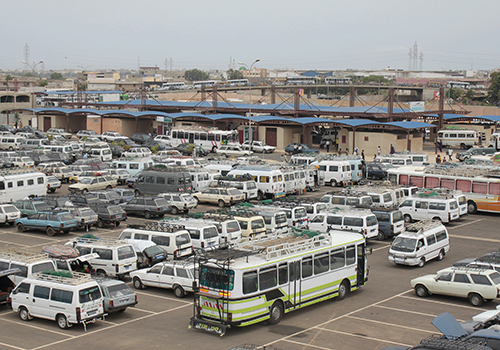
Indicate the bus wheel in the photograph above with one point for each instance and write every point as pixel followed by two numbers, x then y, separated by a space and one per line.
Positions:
pixel 333 183
pixel 343 290
pixel 471 207
pixel 276 312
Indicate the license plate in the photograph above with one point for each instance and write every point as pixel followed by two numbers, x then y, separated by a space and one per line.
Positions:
pixel 126 267
pixel 90 313
pixel 124 300
pixel 399 261
pixel 211 243
pixel 119 216
pixel 160 256
pixel 164 208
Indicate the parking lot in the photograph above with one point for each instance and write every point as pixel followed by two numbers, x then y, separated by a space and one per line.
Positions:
pixel 384 312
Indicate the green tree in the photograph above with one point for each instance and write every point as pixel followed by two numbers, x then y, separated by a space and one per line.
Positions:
pixel 195 74
pixel 455 93
pixel 494 89
pixel 234 74
pixel 43 83
pixel 56 76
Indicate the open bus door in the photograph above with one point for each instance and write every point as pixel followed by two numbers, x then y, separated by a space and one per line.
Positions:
pixel 294 285
pixel 362 269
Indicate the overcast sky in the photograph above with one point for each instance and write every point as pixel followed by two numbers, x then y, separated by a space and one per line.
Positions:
pixel 307 34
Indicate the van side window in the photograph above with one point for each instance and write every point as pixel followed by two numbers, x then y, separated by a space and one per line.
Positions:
pixel 243 225
pixel 42 267
pixel 41 292
pixel 420 243
pixel 2 185
pixel 141 236
pixel 441 236
pixel 195 234
pixel 421 205
pixel 63 296
pixel 23 288
pixel 84 250
pixel 431 240
pixel 480 279
pixel 170 181
pixel 382 217
pixel 334 220
pixel 407 203
pixel 358 222
pixel 105 254
pixel 161 240
pixel 24 270
pixel 160 180
pixel 4 265
pixel 150 179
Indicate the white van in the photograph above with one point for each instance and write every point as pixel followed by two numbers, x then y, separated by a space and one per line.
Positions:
pixel 251 224
pixel 274 218
pixel 66 149
pixel 27 261
pixel 247 186
pixel 339 200
pixel 269 179
pixel 229 229
pixel 313 209
pixel 397 160
pixel 334 172
pixel 200 179
pixel 446 193
pixel 361 220
pixel 295 215
pixel 11 142
pixel 33 143
pixel 133 165
pixel 116 257
pixel 421 242
pixel 103 154
pixel 173 238
pixel 204 235
pixel 66 300
pixel 430 207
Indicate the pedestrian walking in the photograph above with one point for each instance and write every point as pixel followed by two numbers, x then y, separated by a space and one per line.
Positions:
pixel 450 153
pixel 392 149
pixel 440 145
pixel 378 150
pixel 363 154
pixel 327 146
pixel 282 158
pixel 356 150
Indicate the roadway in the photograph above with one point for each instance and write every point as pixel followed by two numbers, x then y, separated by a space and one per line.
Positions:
pixel 384 312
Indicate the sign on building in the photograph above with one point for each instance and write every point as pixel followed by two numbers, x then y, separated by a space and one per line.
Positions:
pixel 417 106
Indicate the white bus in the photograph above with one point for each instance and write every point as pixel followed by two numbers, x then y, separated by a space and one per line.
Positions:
pixel 456 137
pixel 17 184
pixel 301 80
pixel 174 86
pixel 480 186
pixel 338 80
pixel 458 85
pixel 237 82
pixel 206 83
pixel 264 278
pixel 209 138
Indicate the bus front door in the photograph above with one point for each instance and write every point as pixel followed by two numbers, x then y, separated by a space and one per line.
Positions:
pixel 360 278
pixel 294 284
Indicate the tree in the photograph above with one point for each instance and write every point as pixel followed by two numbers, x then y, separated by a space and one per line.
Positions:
pixel 195 74
pixel 56 76
pixel 234 74
pixel 494 89
pixel 455 93
pixel 43 83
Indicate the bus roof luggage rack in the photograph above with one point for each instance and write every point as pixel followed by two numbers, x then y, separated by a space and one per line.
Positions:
pixel 423 224
pixel 438 342
pixel 76 279
pixel 171 168
pixel 15 171
pixel 162 226
pixel 23 255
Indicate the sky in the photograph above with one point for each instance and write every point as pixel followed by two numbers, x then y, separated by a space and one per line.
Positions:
pixel 283 34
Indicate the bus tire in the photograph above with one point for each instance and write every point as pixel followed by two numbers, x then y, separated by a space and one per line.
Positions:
pixel 276 312
pixel 344 289
pixel 471 207
pixel 333 183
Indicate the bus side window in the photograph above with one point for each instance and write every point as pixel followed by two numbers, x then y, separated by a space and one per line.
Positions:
pixel 283 273
pixel 250 282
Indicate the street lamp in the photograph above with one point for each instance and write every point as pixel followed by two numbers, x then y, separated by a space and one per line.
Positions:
pixel 250 135
pixel 33 69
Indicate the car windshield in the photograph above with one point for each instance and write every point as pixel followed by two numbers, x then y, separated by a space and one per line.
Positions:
pixel 128 193
pixel 153 250
pixel 85 181
pixel 182 239
pixel 66 217
pixel 113 195
pixel 88 294
pixel 115 210
pixel 404 244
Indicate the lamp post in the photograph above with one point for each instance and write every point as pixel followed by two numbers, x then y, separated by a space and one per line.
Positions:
pixel 250 135
pixel 33 69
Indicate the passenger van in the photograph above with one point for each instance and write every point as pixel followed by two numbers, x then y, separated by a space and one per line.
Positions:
pixel 66 149
pixel 296 215
pixel 361 220
pixel 397 160
pixel 171 237
pixel 11 142
pixel 157 180
pixel 103 154
pixel 229 229
pixel 335 172
pixel 204 235
pixel 247 186
pixel 421 242
pixel 340 200
pixel 463 138
pixel 275 219
pixel 313 209
pixel 446 193
pixel 200 179
pixel 116 257
pixel 251 225
pixel 430 207
pixel 33 143
pixel 269 180
pixel 29 262
pixel 132 165
pixel 390 222
pixel 66 300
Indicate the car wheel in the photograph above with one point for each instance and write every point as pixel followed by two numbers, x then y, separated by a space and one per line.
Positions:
pixel 471 207
pixel 421 263
pixel 175 211
pixel 137 283
pixel 109 187
pixel 85 190
pixel 276 312
pixel 437 218
pixel 179 291
pixel 21 228
pixel 147 214
pixel 407 218
pixel 62 322
pixel 333 183
pixel 50 231
pixel 421 291
pixel 101 273
pixel 475 299
pixel 100 224
pixel 24 314
pixel 221 203
pixel 264 151
pixel 441 255
pixel 137 193
pixel 381 235
pixel 344 289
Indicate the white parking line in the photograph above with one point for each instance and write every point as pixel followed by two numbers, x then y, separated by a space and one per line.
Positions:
pixel 25 235
pixel 383 247
pixel 306 345
pixel 477 238
pixel 39 328
pixel 391 324
pixel 162 297
pixel 465 224
pixel 11 346
pixel 443 303
pixel 407 311
pixel 24 245
pixel 363 337
pixel 142 310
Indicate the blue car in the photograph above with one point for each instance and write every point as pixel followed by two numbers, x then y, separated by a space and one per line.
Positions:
pixel 296 148
pixel 51 222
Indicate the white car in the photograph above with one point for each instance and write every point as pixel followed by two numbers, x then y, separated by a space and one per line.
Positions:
pixel 163 139
pixel 53 183
pixel 120 175
pixel 258 146
pixel 58 131
pixel 138 152
pixel 110 136
pixel 178 276
pixel 477 285
pixel 8 214
pixel 22 162
pixel 88 133
pixel 233 151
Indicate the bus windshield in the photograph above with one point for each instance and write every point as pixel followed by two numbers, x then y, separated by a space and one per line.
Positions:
pixel 216 278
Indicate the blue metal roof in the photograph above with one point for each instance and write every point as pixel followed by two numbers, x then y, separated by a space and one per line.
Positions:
pixel 98 92
pixel 410 125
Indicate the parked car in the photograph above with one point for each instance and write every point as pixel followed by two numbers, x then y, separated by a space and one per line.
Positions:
pixel 28 207
pixel 60 132
pixel 148 253
pixel 163 139
pixel 175 275
pixel 233 151
pixel 85 216
pixel 48 221
pixel 223 196
pixel 140 137
pixel 475 151
pixel 116 150
pixel 377 170
pixel 85 199
pixel 124 193
pixel 108 197
pixel 186 148
pixel 180 202
pixel 477 285
pixel 8 214
pixel 87 133
pixel 110 136
pixel 299 148
pixel 259 147
pixel 117 295
pixel 147 206
pixel 53 183
pixel 56 202
pixel 22 161
pixel 109 215
pixel 87 184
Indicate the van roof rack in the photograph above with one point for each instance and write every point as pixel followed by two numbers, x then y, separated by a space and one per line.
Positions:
pixel 23 255
pixel 16 171
pixel 99 240
pixel 423 224
pixel 161 226
pixel 76 279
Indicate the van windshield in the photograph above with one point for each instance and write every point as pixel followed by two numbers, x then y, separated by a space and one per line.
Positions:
pixel 89 294
pixel 182 239
pixel 404 244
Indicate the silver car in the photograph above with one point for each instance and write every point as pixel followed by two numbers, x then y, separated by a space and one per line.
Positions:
pixel 118 296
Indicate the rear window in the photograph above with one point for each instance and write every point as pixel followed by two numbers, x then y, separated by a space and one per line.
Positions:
pixel 232 226
pixel 119 290
pixel 495 277
pixel 182 239
pixel 210 232
pixel 89 294
pixel 126 252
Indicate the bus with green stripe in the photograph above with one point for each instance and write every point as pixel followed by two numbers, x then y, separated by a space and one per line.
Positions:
pixel 263 278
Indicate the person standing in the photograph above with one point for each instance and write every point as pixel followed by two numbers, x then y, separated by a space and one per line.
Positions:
pixel 378 150
pixel 363 154
pixel 282 158
pixel 340 151
pixel 392 149
pixel 327 146
pixel 438 159
pixel 450 153
pixel 440 145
